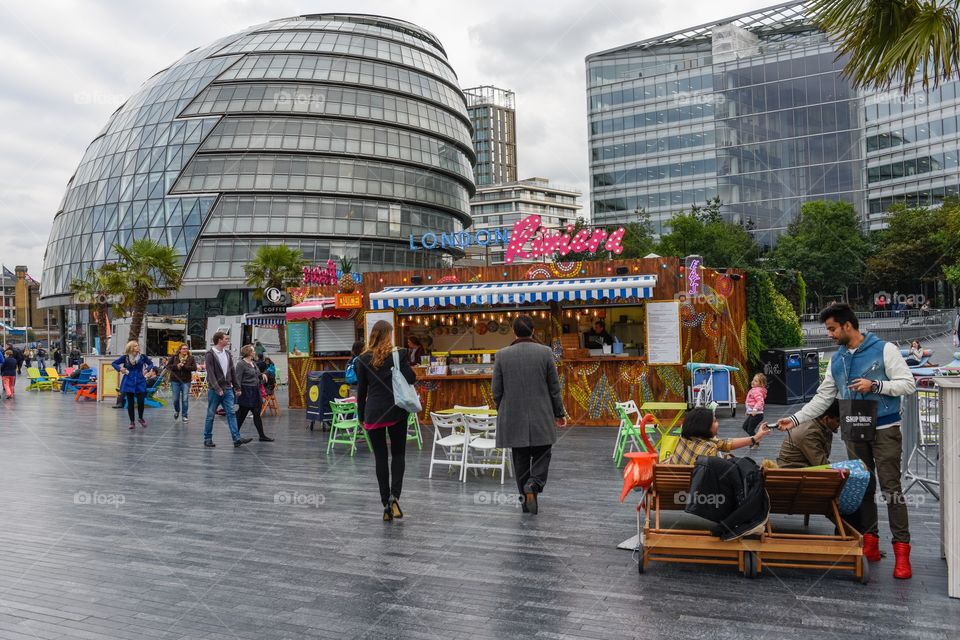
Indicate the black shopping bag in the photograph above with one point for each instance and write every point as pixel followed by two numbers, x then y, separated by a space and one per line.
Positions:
pixel 858 420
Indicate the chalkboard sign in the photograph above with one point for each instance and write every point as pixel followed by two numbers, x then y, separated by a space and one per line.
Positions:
pixel 298 339
pixel 663 332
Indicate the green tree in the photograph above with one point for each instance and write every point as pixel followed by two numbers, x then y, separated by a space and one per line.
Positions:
pixel 721 243
pixel 917 247
pixel 826 244
pixel 889 41
pixel 144 271
pixel 94 292
pixel 275 266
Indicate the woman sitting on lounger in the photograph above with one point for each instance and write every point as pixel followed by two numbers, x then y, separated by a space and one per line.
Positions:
pixel 698 437
pixel 915 356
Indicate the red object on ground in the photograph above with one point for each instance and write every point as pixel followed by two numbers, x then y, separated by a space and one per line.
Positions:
pixel 902 568
pixel 871 547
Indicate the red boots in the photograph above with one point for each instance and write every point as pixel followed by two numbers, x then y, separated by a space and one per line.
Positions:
pixel 871 547
pixel 901 569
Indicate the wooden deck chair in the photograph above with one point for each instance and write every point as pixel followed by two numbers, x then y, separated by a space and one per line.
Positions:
pixel 37 381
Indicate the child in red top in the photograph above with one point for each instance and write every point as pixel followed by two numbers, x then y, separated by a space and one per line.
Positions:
pixel 754 403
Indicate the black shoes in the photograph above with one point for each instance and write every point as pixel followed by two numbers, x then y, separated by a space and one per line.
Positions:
pixel 394 507
pixel 265 439
pixel 387 514
pixel 241 442
pixel 523 503
pixel 209 443
pixel 530 497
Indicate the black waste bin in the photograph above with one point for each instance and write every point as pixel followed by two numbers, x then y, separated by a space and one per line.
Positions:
pixel 328 385
pixel 811 373
pixel 784 371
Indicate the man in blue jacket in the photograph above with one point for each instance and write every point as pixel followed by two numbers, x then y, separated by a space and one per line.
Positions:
pixel 869 368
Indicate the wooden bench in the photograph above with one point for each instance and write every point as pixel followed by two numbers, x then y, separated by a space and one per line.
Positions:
pixel 792 492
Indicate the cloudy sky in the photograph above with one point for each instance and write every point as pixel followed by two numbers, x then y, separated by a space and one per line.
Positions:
pixel 68 65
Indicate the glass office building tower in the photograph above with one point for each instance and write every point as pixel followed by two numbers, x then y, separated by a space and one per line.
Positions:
pixel 754 110
pixel 494 117
pixel 336 134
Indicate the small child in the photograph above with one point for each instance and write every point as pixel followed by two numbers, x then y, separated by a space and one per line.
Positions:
pixel 754 403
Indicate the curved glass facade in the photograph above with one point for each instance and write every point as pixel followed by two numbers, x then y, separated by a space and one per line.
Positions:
pixel 336 134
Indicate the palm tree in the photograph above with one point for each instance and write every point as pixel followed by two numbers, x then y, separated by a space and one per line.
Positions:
pixel 275 266
pixel 889 41
pixel 93 290
pixel 145 270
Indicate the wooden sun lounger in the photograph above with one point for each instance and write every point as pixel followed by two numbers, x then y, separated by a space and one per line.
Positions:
pixel 792 491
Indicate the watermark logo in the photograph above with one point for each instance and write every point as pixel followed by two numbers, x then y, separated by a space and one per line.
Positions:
pixel 708 499
pixel 99 498
pixel 699 97
pixel 95 299
pixel 297 499
pixel 299 100
pixel 915 299
pixel 99 98
pixel 886 97
pixel 496 499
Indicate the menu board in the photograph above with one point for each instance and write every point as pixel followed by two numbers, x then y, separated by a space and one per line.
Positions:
pixel 663 332
pixel 298 339
pixel 371 319
pixel 109 380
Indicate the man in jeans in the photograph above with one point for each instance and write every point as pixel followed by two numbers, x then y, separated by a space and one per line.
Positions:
pixel 223 386
pixel 868 368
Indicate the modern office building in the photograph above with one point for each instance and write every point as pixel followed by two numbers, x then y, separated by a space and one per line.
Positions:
pixel 8 297
pixel 494 117
pixel 335 134
pixel 754 110
pixel 501 206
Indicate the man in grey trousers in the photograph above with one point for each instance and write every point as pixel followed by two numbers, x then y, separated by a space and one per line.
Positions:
pixel 526 390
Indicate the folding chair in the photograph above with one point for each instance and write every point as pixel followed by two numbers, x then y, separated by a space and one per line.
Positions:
pixel 270 403
pixel 413 430
pixel 451 445
pixel 480 435
pixel 345 426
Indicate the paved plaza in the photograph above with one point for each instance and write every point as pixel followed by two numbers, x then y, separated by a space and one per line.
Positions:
pixel 108 533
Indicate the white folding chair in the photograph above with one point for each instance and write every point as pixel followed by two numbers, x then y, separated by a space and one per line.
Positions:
pixel 480 434
pixel 451 445
pixel 630 407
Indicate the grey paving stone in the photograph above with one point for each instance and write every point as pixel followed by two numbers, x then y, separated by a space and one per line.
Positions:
pixel 108 533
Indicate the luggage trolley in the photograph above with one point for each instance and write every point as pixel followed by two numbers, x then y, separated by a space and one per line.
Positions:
pixel 711 383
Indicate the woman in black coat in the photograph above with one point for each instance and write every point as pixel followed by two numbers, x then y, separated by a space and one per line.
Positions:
pixel 379 413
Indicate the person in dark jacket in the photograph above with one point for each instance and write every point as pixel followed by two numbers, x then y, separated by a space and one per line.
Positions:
pixel 379 413
pixel 415 350
pixel 133 365
pixel 181 368
pixel 8 371
pixel 250 401
pixel 526 390
pixel 17 357
pixel 57 360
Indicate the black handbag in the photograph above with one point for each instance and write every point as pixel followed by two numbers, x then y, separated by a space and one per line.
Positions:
pixel 858 420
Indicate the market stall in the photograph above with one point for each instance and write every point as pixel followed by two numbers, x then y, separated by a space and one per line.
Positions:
pixel 652 316
pixel 320 335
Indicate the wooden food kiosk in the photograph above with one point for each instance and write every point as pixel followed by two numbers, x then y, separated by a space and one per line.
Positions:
pixel 662 312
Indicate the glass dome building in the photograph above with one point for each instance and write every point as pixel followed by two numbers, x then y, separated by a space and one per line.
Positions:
pixel 336 134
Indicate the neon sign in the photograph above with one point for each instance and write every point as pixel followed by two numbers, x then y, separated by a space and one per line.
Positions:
pixel 327 275
pixel 693 274
pixel 544 243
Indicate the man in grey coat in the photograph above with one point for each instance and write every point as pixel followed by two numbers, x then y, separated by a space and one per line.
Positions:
pixel 526 390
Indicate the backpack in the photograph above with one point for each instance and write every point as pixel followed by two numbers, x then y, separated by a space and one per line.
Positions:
pixel 350 377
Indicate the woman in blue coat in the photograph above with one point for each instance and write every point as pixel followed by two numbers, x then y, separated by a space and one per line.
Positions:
pixel 132 365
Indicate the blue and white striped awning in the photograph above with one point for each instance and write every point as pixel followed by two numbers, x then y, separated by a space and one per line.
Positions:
pixel 265 319
pixel 521 292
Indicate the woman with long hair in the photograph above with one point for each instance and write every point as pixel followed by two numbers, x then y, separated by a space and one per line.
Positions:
pixel 181 368
pixel 380 415
pixel 250 400
pixel 133 366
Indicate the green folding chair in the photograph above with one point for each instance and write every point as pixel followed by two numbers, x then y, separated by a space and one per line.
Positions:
pixel 345 427
pixel 413 430
pixel 628 436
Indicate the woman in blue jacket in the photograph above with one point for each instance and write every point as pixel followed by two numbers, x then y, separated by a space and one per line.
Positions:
pixel 132 365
